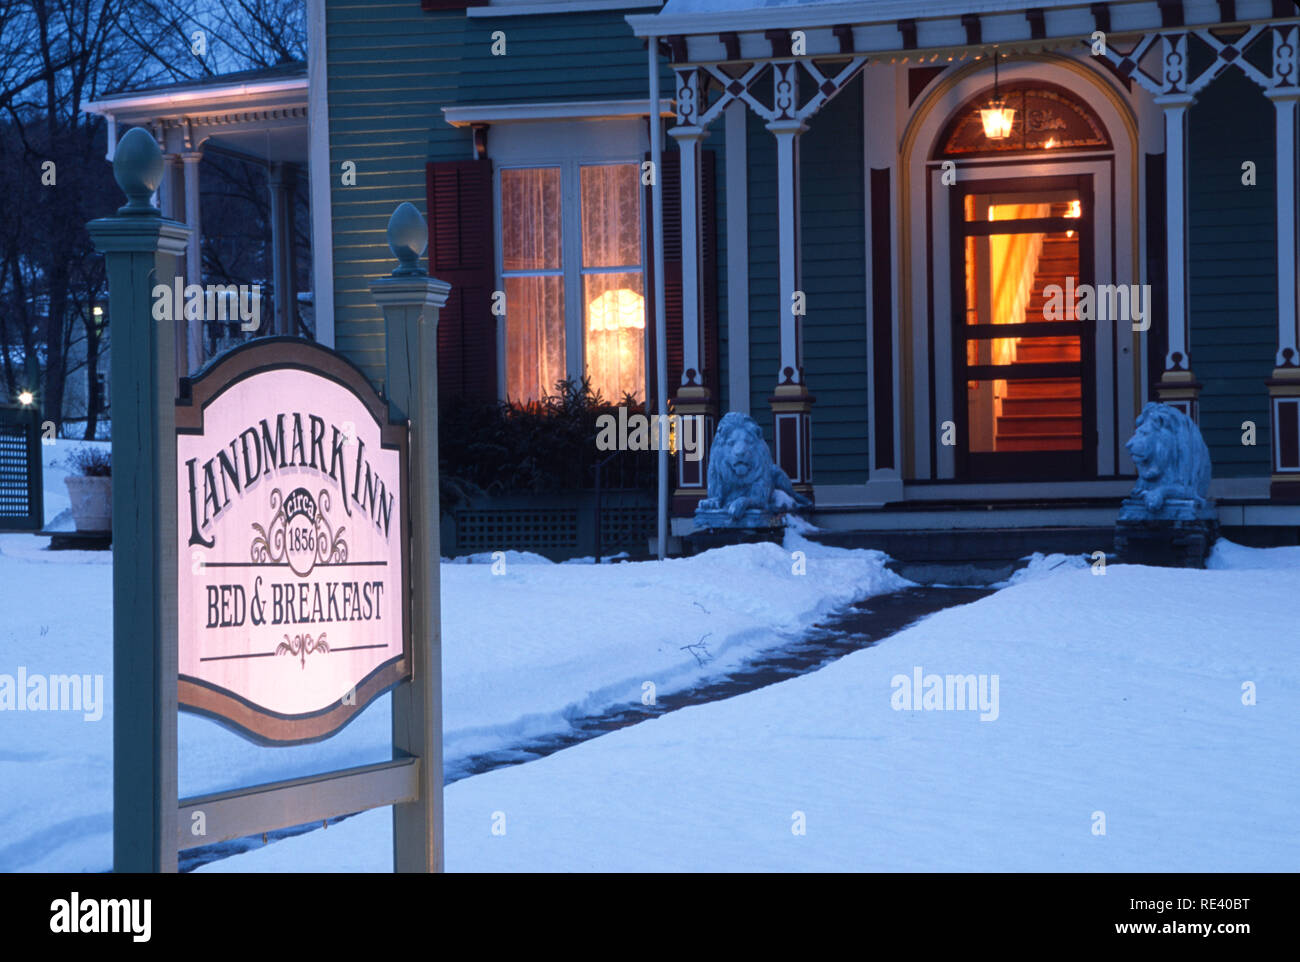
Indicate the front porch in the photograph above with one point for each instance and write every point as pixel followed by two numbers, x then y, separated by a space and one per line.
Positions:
pixel 933 356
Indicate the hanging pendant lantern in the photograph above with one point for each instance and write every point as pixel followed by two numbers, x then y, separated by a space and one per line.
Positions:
pixel 997 116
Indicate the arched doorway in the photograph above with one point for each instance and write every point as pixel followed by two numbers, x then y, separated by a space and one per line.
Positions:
pixel 988 229
pixel 1021 243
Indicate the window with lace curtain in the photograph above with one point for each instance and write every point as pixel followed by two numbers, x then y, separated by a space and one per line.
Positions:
pixel 573 274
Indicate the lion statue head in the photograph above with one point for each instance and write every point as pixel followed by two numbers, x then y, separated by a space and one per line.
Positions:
pixel 742 476
pixel 1171 458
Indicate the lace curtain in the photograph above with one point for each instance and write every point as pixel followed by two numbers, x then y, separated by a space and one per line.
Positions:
pixel 534 281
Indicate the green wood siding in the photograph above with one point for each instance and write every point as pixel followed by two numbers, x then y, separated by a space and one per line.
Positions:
pixel 834 279
pixel 1232 270
pixel 392 68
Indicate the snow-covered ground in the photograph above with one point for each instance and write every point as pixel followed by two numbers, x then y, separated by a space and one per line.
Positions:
pixel 1157 706
pixel 1121 707
pixel 526 646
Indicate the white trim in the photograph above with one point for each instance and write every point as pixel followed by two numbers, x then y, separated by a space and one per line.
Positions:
pixel 737 193
pixel 1001 20
pixel 522 8
pixel 116 104
pixel 463 115
pixel 318 175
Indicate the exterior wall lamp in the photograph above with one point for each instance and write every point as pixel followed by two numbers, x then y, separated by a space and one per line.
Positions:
pixel 997 116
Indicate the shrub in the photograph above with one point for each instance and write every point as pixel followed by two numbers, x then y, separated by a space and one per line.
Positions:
pixel 92 462
pixel 543 446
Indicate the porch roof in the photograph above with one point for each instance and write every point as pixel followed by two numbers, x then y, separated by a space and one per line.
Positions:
pixel 714 31
pixel 259 114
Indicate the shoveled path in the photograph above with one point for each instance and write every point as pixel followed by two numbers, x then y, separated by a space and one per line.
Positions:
pixel 859 626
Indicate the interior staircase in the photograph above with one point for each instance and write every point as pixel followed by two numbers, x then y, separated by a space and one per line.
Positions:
pixel 1045 414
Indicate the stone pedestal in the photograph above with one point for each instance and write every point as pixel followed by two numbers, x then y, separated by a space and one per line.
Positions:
pixel 758 527
pixel 1180 536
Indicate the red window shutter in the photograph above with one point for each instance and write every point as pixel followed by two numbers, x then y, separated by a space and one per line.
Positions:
pixel 670 172
pixel 461 253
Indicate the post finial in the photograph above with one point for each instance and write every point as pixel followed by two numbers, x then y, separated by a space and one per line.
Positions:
pixel 138 168
pixel 408 236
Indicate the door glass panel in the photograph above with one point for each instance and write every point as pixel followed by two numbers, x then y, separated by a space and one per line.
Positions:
pixel 1023 205
pixel 1019 278
pixel 1033 414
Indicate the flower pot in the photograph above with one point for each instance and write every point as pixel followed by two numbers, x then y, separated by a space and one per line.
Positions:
pixel 92 502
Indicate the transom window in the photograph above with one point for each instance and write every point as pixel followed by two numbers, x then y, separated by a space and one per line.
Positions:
pixel 574 278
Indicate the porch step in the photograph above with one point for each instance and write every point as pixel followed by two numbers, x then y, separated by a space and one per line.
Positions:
pixel 983 556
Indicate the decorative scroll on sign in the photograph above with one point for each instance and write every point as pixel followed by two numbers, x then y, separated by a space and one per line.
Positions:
pixel 292 577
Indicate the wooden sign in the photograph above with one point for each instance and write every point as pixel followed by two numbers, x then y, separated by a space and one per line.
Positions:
pixel 292 546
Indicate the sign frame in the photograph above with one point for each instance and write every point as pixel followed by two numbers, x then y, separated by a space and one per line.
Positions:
pixel 262 356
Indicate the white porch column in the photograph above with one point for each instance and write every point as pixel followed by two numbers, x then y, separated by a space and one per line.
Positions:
pixel 688 144
pixel 787 179
pixel 694 398
pixel 1284 385
pixel 193 257
pixel 1286 103
pixel 1178 387
pixel 281 181
pixel 791 402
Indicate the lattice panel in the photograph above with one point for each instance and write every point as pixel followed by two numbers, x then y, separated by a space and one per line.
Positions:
pixel 524 530
pixel 15 454
pixel 621 526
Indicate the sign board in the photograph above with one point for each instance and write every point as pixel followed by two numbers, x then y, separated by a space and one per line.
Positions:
pixel 292 542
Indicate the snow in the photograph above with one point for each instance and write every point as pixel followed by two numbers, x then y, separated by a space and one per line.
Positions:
pixel 1121 696
pixel 526 646
pixel 1229 555
pixel 1121 692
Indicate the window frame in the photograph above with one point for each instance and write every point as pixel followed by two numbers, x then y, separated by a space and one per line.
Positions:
pixel 571 264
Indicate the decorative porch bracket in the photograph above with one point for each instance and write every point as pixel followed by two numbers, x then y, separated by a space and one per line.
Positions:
pixel 1175 87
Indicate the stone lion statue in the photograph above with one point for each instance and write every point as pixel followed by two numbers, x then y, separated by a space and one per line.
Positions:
pixel 742 477
pixel 1173 463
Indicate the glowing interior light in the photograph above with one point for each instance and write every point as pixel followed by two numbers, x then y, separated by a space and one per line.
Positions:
pixel 1051 142
pixel 997 118
pixel 616 310
pixel 1076 209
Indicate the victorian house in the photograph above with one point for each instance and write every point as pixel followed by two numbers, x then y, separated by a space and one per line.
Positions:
pixel 942 253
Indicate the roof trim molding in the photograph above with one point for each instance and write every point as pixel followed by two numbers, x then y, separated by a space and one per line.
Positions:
pixel 874 26
pixel 190 99
pixel 465 115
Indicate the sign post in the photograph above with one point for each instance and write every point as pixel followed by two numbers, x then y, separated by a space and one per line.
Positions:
pixel 411 301
pixel 139 245
pixel 275 551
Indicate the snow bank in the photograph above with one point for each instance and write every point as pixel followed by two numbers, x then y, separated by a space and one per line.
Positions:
pixel 524 650
pixel 1121 706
